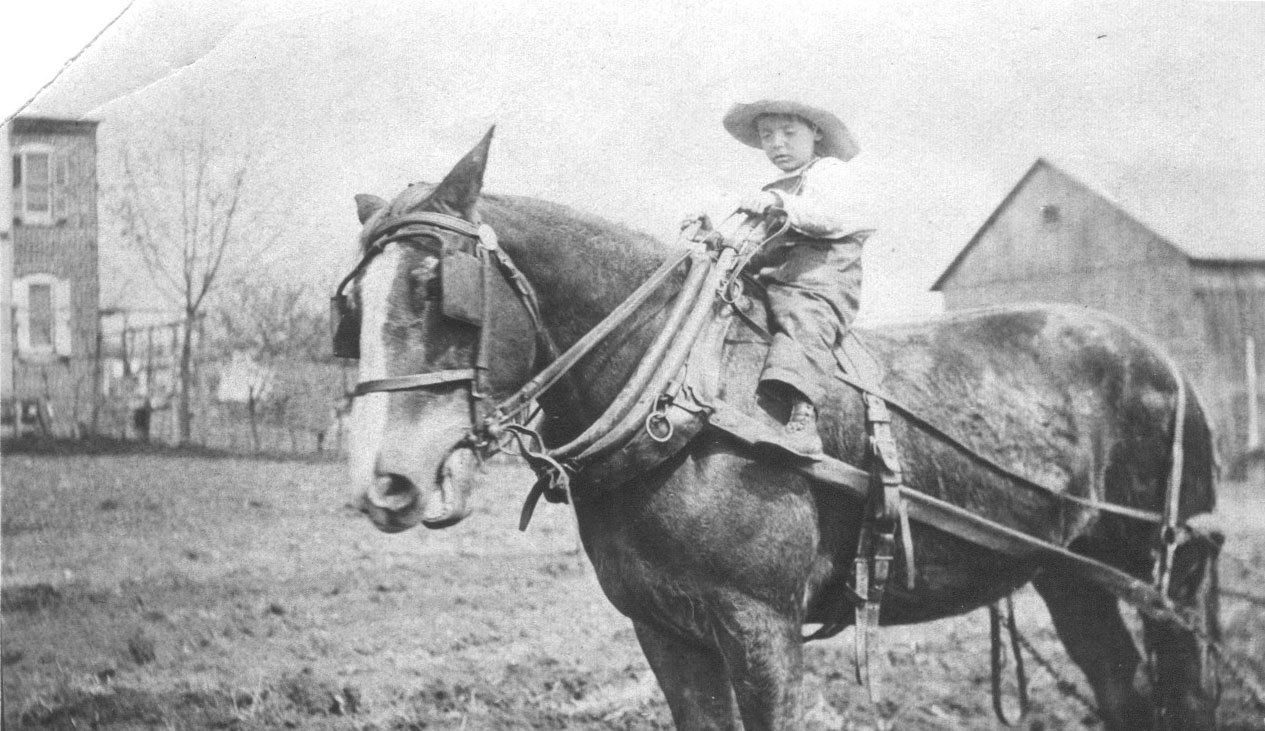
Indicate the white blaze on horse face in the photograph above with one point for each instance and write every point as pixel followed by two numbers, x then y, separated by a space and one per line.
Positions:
pixel 369 417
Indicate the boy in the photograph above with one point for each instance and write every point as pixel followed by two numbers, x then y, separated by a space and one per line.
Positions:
pixel 813 270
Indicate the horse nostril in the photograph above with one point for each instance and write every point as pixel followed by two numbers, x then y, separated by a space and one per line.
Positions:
pixel 394 492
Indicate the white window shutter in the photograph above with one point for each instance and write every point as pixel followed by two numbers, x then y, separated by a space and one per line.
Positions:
pixel 62 317
pixel 21 313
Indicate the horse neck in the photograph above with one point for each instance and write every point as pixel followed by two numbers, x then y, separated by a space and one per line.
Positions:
pixel 582 268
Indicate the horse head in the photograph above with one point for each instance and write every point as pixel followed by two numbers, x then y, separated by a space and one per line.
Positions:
pixel 417 311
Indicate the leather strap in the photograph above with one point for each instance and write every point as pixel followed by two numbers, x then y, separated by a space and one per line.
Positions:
pixel 388 226
pixel 542 381
pixel 829 472
pixel 1172 502
pixel 883 517
pixel 941 434
pixel 416 381
pixel 1002 613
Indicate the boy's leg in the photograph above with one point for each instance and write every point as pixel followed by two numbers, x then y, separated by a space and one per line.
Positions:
pixel 813 299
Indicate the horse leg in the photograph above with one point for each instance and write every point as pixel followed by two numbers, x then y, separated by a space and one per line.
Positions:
pixel 764 655
pixel 1087 619
pixel 693 679
pixel 1186 684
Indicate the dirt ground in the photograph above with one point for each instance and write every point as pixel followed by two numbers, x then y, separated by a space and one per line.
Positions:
pixel 171 592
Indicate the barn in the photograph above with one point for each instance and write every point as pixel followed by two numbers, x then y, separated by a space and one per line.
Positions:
pixel 1054 239
pixel 48 271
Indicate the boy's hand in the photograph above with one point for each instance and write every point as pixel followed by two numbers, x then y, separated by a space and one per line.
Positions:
pixel 759 203
pixel 702 220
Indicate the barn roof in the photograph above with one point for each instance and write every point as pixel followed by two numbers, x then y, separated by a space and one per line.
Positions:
pixel 1209 251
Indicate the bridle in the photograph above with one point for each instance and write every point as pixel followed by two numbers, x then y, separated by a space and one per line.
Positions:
pixel 492 426
pixel 466 298
pixel 466 287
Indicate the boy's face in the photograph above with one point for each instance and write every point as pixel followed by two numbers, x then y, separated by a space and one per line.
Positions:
pixel 788 141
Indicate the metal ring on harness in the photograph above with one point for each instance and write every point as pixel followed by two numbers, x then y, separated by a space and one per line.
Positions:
pixel 659 416
pixel 730 291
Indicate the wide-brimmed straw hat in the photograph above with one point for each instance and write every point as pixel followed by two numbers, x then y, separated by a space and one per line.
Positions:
pixel 836 140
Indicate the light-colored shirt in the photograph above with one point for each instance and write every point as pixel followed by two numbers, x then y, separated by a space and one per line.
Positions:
pixel 824 205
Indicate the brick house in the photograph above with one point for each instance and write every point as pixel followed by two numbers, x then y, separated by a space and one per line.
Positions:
pixel 48 271
pixel 1053 239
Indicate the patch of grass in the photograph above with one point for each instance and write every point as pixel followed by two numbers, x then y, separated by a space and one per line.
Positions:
pixel 29 598
pixel 540 692
pixel 33 444
pixel 285 704
pixel 243 571
pixel 78 707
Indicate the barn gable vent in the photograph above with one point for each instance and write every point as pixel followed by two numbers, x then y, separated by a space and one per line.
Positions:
pixel 1050 213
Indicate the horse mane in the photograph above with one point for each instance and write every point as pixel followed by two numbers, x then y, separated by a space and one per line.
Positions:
pixel 581 265
pixel 603 236
pixel 517 216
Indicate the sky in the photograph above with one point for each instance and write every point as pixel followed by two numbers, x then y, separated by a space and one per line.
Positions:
pixel 615 109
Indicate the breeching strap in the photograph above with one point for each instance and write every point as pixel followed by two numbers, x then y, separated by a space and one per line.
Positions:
pixel 913 417
pixel 829 472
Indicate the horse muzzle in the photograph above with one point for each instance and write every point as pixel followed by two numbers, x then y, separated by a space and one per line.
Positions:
pixel 396 502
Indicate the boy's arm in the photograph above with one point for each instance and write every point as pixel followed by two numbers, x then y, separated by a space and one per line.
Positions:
pixel 823 208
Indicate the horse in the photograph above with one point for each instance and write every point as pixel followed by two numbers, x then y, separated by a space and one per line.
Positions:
pixel 721 556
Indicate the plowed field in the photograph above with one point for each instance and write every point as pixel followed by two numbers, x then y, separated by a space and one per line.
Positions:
pixel 170 592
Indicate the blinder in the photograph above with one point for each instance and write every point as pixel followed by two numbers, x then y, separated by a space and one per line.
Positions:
pixel 461 284
pixel 344 322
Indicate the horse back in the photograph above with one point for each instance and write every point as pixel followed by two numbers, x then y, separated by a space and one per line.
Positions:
pixel 1066 396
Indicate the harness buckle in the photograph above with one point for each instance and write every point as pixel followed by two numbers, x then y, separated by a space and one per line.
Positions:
pixel 487 238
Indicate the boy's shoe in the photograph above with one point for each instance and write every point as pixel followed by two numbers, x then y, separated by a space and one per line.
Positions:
pixel 801 429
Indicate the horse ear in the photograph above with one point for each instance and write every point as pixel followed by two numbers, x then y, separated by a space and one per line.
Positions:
pixel 367 205
pixel 460 189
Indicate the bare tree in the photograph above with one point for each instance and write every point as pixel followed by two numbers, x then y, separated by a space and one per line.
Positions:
pixel 278 322
pixel 184 204
pixel 273 319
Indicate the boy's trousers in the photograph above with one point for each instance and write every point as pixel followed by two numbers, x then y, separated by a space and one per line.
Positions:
pixel 814 288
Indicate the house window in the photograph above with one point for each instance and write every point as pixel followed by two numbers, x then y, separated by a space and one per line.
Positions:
pixel 42 315
pixel 1050 213
pixel 33 185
